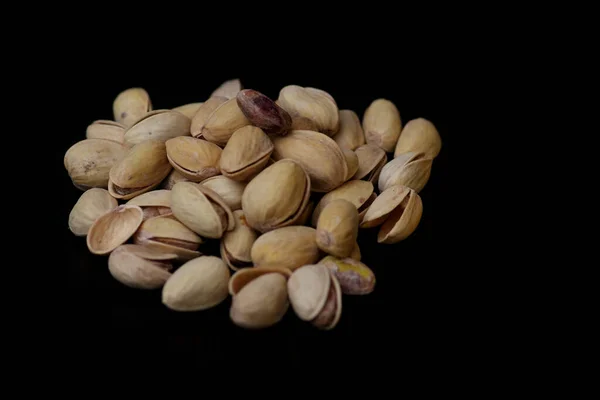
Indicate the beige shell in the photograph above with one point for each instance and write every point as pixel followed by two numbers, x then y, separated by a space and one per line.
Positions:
pixel 168 235
pixel 141 170
pixel 92 204
pixel 356 255
pixel 230 191
pixel 225 120
pixel 350 135
pixel 243 276
pixel 290 247
pixel 153 203
pixel 354 277
pixel 246 153
pixel 88 162
pixel 189 110
pixel 277 196
pixel 236 244
pixel 197 285
pixel 399 209
pixel 305 217
pixel 158 125
pixel 419 136
pixel 195 159
pixel 313 104
pixel 319 155
pixel 408 169
pixel 371 160
pixel 171 179
pixel 201 210
pixel 351 162
pixel 140 267
pixel 337 228
pixel 228 89
pixel 106 129
pixel 382 124
pixel 113 228
pixel 130 105
pixel 359 193
pixel 202 114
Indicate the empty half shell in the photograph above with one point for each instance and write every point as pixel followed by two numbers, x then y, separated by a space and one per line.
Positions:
pixel 92 204
pixel 359 193
pixel 89 161
pixel 229 190
pixel 106 129
pixel 246 153
pixel 193 158
pixel 407 169
pixel 236 244
pixel 419 136
pixel 153 203
pixel 290 247
pixel 226 119
pixel 371 160
pixel 114 228
pixel 350 135
pixel 158 125
pixel 130 105
pixel 170 236
pixel 140 267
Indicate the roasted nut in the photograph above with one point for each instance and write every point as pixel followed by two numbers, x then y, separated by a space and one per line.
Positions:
pixel 236 244
pixel 90 206
pixel 130 105
pixel 153 203
pixel 312 104
pixel 408 169
pixel 337 228
pixel 419 136
pixel 140 267
pixel 105 129
pixel 157 125
pixel 263 112
pixel 350 135
pixel 382 124
pixel 113 228
pixel 290 247
pixel 246 153
pixel 355 278
pixel 195 159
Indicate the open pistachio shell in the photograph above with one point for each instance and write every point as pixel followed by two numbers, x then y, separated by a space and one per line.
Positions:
pixel 243 276
pixel 89 161
pixel 130 105
pixel 226 119
pixel 195 159
pixel 246 153
pixel 189 110
pixel 236 244
pixel 92 204
pixel 360 193
pixel 419 136
pixel 350 135
pixel 202 114
pixel 171 179
pixel 140 267
pixel 153 203
pixel 106 129
pixel 337 228
pixel 168 235
pixel 113 229
pixel 382 124
pixel 407 169
pixel 229 190
pixel 228 89
pixel 371 160
pixel 352 162
pixel 289 247
pixel 316 105
pixel 159 125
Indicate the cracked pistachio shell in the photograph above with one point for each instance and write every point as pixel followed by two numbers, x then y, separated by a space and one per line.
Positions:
pixel 355 278
pixel 168 235
pixel 202 114
pixel 171 179
pixel 230 191
pixel 419 136
pixel 351 162
pixel 337 228
pixel 371 160
pixel 158 125
pixel 189 110
pixel 246 153
pixel 89 161
pixel 153 203
pixel 359 193
pixel 290 247
pixel 407 169
pixel 277 196
pixel 236 244
pixel 106 129
pixel 382 124
pixel 142 169
pixel 197 285
pixel 398 210
pixel 228 89
pixel 226 119
pixel 350 135
pixel 193 158
pixel 130 105
pixel 318 154
pixel 312 104
pixel 245 275
pixel 92 204
pixel 140 267
pixel 113 228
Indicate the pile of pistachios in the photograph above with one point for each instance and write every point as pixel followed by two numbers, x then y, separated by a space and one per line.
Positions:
pixel 284 186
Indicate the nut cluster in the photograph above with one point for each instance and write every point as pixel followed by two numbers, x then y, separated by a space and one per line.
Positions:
pixel 284 185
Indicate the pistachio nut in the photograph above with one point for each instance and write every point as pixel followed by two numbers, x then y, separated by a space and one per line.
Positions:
pixel 318 154
pixel 158 125
pixel 199 284
pixel 313 104
pixel 89 207
pixel 359 193
pixel 140 267
pixel 407 169
pixel 228 89
pixel 88 162
pixel 260 297
pixel 171 179
pixel 229 190
pixel 351 162
pixel 106 129
pixel 113 228
pixel 419 136
pixel 315 295
pixel 355 255
pixel 350 135
pixel 189 110
pixel 202 114
pixel 170 236
pixel 337 228
pixel 277 196
pixel 142 169
pixel 226 119
pixel 290 247
pixel 355 278
pixel 193 158
pixel 246 153
pixel 130 105
pixel 153 203
pixel 201 209
pixel 263 112
pixel 236 244
pixel 382 124
pixel 371 160
pixel 304 218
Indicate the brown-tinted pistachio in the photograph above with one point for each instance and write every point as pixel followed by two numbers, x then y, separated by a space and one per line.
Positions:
pixel 195 159
pixel 371 160
pixel 113 228
pixel 228 89
pixel 225 120
pixel 355 278
pixel 407 169
pixel 140 267
pixel 157 125
pixel 382 124
pixel 359 193
pixel 236 244
pixel 290 247
pixel 419 136
pixel 153 203
pixel 89 161
pixel 189 110
pixel 350 135
pixel 106 129
pixel 202 114
pixel 352 162
pixel 92 204
pixel 169 235
pixel 263 112
pixel 171 179
pixel 130 105
pixel 246 153
pixel 316 105
pixel 337 228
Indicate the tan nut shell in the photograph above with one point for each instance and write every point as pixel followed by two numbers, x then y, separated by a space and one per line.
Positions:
pixel 355 255
pixel 243 276
pixel 92 204
pixel 236 244
pixel 171 179
pixel 159 197
pixel 168 235
pixel 354 277
pixel 130 105
pixel 197 285
pixel 382 124
pixel 113 229
pixel 371 160
pixel 246 153
pixel 106 129
pixel 408 169
pixel 158 125
pixel 351 162
pixel 230 191
pixel 140 267
pixel 337 228
pixel 306 214
pixel 356 192
pixel 89 161
pixel 307 289
pixel 228 89
pixel 225 120
pixel 419 136
pixel 313 104
pixel 318 154
pixel 195 159
pixel 202 114
pixel 350 135
pixel 189 110
pixel 290 247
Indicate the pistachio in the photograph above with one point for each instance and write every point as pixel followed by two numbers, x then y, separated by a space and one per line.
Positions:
pixel 158 125
pixel 228 89
pixel 113 228
pixel 407 169
pixel 170 236
pixel 236 244
pixel 355 278
pixel 419 136
pixel 350 135
pixel 382 124
pixel 246 153
pixel 105 129
pixel 171 179
pixel 228 189
pixel 355 255
pixel 399 209
pixel 316 105
pixel 303 219
pixel 88 162
pixel 140 267
pixel 351 162
pixel 153 203
pixel 359 193
pixel 318 154
pixel 263 112
pixel 90 206
pixel 290 247
pixel 315 295
pixel 337 228
pixel 371 160
pixel 189 110
pixel 226 119
pixel 245 275
pixel 195 159
pixel 130 105
pixel 202 114
pixel 197 285
pixel 142 169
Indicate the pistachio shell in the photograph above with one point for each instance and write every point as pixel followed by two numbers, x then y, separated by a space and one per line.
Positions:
pixel 197 285
pixel 225 120
pixel 330 315
pixel 171 179
pixel 243 276
pixel 140 267
pixel 382 124
pixel 89 161
pixel 355 191
pixel 351 162
pixel 168 235
pixel 419 136
pixel 195 159
pixel 202 114
pixel 246 153
pixel 313 104
pixel 304 218
pixel 113 228
pixel 290 247
pixel 229 190
pixel 228 89
pixel 236 244
pixel 354 277
pixel 318 154
pixel 308 288
pixel 158 125
pixel 189 110
pixel 350 135
pixel 160 197
pixel 337 228
pixel 408 169
pixel 355 255
pixel 371 160
pixel 106 129
pixel 130 105
pixel 385 203
pixel 90 206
